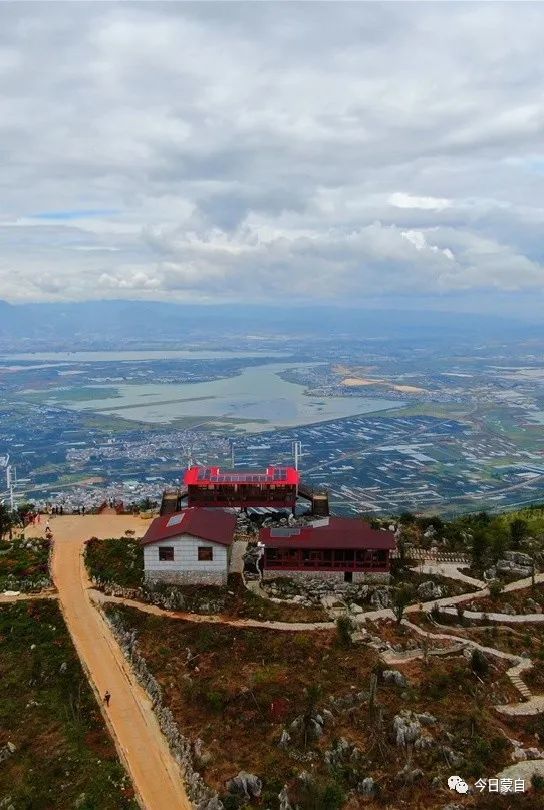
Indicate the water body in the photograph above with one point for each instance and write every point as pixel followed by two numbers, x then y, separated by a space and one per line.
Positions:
pixel 115 357
pixel 258 399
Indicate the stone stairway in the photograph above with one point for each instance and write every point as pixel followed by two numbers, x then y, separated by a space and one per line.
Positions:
pixel 520 685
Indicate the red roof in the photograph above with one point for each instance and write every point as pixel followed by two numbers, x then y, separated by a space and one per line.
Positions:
pixel 332 532
pixel 214 525
pixel 203 476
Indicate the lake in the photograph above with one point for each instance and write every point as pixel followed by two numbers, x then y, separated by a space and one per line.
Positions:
pixel 258 399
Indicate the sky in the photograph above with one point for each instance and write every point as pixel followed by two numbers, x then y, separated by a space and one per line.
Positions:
pixel 354 153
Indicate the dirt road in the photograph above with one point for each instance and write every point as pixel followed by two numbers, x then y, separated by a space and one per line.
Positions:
pixel 155 774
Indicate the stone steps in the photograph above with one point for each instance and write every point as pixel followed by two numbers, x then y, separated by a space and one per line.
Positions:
pixel 521 686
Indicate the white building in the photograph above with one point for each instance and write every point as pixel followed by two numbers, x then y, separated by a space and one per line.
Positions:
pixel 189 547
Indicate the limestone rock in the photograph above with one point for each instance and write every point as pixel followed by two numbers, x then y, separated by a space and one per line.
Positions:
pixel 245 784
pixel 285 739
pixel 367 787
pixel 283 798
pixel 429 590
pixel 394 676
pixel 406 729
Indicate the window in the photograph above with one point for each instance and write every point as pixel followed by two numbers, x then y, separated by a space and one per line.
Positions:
pixel 205 553
pixel 166 553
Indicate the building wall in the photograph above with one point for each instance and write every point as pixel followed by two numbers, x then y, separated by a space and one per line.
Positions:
pixel 187 577
pixel 186 567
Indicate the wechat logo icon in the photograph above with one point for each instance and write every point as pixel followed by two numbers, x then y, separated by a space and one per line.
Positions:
pixel 458 784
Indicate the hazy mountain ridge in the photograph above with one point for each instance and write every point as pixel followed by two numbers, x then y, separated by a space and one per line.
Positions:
pixel 108 323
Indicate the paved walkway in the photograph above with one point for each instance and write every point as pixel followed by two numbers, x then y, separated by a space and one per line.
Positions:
pixel 450 570
pixel 156 776
pixel 533 704
pixel 198 618
pixel 505 618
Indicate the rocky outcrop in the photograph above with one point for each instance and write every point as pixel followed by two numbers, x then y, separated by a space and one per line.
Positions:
pixel 406 729
pixel 429 590
pixel 515 564
pixel 246 785
pixel 6 751
pixel 395 677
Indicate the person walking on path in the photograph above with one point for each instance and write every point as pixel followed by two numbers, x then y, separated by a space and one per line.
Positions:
pixel 107 698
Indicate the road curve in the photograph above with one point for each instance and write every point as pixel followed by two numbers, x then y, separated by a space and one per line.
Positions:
pixel 155 774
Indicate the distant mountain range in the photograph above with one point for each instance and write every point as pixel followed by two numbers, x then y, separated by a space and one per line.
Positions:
pixel 95 324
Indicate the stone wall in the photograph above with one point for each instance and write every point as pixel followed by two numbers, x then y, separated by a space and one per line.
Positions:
pixel 187 577
pixel 308 577
pixel 202 797
pixel 371 577
pixel 305 576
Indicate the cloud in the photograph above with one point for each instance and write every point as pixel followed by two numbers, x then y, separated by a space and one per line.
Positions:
pixel 402 200
pixel 215 152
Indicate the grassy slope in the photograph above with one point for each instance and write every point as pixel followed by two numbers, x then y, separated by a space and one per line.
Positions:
pixel 63 749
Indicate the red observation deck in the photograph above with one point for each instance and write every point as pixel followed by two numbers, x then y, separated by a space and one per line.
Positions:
pixel 210 486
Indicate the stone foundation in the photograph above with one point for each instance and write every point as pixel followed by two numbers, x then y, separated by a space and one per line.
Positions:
pixel 307 577
pixel 187 577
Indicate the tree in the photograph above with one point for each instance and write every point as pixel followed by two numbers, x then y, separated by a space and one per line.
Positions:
pixel 6 520
pixel 312 696
pixel 402 596
pixel 518 532
pixel 480 547
pixel 496 587
pixel 23 509
pixel 344 629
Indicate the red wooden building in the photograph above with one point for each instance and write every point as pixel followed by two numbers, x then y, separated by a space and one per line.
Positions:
pixel 343 548
pixel 209 486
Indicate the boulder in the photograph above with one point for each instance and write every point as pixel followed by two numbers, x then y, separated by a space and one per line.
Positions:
pixel 394 676
pixel 408 776
pixel 406 729
pixel 509 609
pixel 367 787
pixel 245 784
pixel 380 598
pixel 532 606
pixel 429 590
pixel 519 558
pixel 285 739
pixel 426 718
pixel 283 798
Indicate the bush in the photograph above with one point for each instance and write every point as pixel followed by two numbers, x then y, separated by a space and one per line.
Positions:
pixel 537 782
pixel 343 629
pixel 496 587
pixel 479 663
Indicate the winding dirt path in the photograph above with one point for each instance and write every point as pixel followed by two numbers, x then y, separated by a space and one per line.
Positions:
pixel 155 774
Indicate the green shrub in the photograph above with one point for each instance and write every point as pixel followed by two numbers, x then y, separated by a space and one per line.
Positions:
pixel 479 663
pixel 344 629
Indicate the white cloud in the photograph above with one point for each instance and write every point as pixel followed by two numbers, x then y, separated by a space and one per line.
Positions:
pixel 402 200
pixel 249 150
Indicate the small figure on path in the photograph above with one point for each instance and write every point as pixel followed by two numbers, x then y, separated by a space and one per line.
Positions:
pixel 107 698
